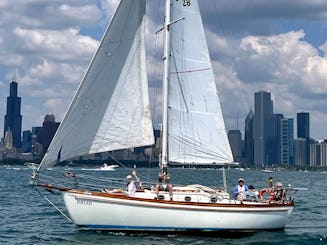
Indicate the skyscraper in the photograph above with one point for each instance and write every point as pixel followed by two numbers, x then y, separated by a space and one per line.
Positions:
pixel 49 129
pixel 272 139
pixel 300 151
pixel 27 141
pixel 287 141
pixel 248 139
pixel 235 140
pixel 263 110
pixel 303 125
pixel 303 131
pixel 318 153
pixel 13 118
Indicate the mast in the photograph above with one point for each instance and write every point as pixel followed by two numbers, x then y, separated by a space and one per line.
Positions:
pixel 164 154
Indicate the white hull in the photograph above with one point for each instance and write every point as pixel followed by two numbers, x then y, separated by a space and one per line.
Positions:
pixel 120 213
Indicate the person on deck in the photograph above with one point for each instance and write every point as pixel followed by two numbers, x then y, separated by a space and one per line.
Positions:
pixel 252 194
pixel 270 181
pixel 279 193
pixel 270 190
pixel 240 189
pixel 163 184
pixel 133 183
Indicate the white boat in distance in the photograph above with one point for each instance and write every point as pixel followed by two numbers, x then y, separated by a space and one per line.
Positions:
pixel 31 165
pixel 267 171
pixel 111 111
pixel 110 167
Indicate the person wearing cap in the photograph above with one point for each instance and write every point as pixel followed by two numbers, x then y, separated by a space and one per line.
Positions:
pixel 132 183
pixel 276 193
pixel 240 189
pixel 279 192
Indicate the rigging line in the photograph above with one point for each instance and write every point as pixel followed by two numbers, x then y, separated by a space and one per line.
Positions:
pixel 52 204
pixel 117 161
pixel 190 71
pixel 179 81
pixel 121 164
pixel 62 213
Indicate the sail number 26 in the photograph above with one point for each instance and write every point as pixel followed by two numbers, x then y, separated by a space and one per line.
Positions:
pixel 186 2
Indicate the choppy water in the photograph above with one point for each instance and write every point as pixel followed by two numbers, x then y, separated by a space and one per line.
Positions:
pixel 26 218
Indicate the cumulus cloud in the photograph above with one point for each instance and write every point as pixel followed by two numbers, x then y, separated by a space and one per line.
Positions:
pixel 64 45
pixel 284 64
pixel 44 44
pixel 257 17
pixel 283 58
pixel 52 14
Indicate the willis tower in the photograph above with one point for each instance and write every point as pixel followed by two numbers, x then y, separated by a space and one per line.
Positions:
pixel 13 118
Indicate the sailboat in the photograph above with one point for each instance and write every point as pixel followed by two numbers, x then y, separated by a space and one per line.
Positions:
pixel 111 111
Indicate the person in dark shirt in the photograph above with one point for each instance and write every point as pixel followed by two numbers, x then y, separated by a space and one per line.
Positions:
pixel 164 185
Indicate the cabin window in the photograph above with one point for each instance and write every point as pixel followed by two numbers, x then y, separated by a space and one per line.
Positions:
pixel 187 199
pixel 161 197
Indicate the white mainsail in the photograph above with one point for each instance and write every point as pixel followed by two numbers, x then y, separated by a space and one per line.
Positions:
pixel 111 109
pixel 196 128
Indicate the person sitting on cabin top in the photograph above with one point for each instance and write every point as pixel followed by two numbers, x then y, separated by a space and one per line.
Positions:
pixel 163 184
pixel 132 185
pixel 240 189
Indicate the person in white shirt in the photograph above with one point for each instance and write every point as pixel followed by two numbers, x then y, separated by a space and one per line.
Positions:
pixel 133 182
pixel 240 189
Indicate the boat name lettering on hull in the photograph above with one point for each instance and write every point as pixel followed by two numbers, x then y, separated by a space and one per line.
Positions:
pixel 83 201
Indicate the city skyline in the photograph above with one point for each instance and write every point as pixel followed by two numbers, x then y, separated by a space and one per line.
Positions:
pixel 268 140
pixel 277 46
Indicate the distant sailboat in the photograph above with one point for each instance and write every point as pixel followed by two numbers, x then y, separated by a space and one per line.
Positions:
pixel 110 111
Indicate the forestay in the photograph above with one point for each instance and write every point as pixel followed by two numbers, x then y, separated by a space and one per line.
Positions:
pixel 110 110
pixel 196 129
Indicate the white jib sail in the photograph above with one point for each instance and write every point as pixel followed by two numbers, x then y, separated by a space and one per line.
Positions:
pixel 111 109
pixel 197 133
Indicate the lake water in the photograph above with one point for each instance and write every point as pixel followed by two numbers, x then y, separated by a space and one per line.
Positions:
pixel 27 218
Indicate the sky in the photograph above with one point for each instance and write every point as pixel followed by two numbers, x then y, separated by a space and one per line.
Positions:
pixel 279 46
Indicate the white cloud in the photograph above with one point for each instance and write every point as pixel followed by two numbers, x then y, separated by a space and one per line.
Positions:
pixel 45 44
pixel 284 64
pixel 52 14
pixel 8 59
pixel 60 45
pixel 257 17
pixel 78 12
pixel 284 58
